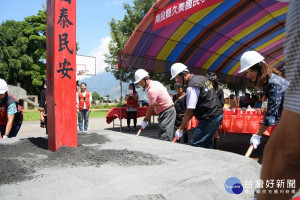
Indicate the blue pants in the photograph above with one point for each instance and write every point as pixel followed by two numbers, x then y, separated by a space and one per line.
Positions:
pixel 13 132
pixel 83 115
pixel 205 131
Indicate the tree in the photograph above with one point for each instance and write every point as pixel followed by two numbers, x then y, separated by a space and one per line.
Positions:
pixel 121 30
pixel 95 96
pixel 13 49
pixel 101 99
pixel 23 51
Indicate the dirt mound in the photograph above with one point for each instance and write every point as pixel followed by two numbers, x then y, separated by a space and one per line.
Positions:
pixel 20 161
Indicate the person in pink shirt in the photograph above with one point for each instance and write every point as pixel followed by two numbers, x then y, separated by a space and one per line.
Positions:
pixel 160 102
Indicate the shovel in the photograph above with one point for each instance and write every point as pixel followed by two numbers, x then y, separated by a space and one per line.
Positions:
pixel 139 132
pixel 21 94
pixel 175 139
pixel 250 149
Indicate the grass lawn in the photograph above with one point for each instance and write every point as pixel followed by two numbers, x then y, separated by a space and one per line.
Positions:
pixel 35 115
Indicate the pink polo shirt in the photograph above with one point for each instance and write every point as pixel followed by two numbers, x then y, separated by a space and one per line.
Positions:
pixel 159 97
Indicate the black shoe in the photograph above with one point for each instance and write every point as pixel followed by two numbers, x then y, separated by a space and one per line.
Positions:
pixel 128 129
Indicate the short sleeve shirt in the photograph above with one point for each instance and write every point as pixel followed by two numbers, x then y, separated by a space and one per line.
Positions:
pixel 192 95
pixel 12 109
pixel 159 97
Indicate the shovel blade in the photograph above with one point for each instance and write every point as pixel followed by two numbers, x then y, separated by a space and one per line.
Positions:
pixel 17 92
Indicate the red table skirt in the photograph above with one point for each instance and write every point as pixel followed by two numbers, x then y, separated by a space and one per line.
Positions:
pixel 114 113
pixel 238 124
pixel 246 124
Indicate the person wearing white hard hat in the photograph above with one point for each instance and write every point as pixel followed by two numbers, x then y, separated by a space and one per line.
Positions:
pixel 273 85
pixel 11 115
pixel 202 102
pixel 281 158
pixel 160 102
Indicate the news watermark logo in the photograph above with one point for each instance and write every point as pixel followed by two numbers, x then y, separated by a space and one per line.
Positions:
pixel 233 186
pixel 270 186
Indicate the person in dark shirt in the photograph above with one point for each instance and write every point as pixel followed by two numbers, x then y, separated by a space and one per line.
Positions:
pixel 220 93
pixel 202 102
pixel 43 107
pixel 245 101
pixel 179 100
pixel 281 159
pixel 273 85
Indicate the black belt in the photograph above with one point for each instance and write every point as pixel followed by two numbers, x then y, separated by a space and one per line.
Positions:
pixel 165 110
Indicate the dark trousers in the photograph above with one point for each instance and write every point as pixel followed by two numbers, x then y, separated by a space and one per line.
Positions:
pixel 131 115
pixel 13 132
pixel 44 124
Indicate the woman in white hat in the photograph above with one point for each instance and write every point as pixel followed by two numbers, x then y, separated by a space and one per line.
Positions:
pixel 273 85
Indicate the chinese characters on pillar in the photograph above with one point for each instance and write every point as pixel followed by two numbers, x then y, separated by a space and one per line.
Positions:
pixel 69 1
pixel 63 18
pixel 65 23
pixel 63 69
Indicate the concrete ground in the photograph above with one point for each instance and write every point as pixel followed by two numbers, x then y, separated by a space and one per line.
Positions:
pixel 179 171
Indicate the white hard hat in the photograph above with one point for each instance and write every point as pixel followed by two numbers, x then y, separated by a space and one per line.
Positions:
pixel 3 86
pixel 176 69
pixel 140 74
pixel 250 58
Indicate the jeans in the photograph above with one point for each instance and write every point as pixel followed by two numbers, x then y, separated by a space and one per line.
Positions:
pixel 83 115
pixel 13 132
pixel 205 131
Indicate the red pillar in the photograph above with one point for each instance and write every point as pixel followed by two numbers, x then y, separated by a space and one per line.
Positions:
pixel 61 73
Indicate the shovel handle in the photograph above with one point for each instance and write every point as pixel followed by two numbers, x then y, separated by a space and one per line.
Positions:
pixel 175 139
pixel 139 132
pixel 32 103
pixel 250 149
